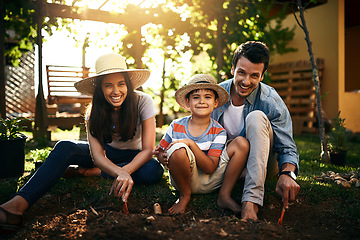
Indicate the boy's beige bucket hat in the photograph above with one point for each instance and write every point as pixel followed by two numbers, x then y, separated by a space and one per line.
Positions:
pixel 201 81
pixel 108 64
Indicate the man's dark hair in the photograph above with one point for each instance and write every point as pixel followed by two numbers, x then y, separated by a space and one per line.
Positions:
pixel 255 52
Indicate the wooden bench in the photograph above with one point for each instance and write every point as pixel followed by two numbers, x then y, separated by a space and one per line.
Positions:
pixel 61 92
pixel 61 79
pixel 294 83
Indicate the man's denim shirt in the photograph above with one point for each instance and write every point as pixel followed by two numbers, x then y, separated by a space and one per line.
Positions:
pixel 267 100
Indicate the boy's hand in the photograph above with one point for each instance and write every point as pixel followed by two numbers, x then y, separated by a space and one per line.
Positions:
pixel 186 141
pixel 164 160
pixel 161 156
pixel 156 151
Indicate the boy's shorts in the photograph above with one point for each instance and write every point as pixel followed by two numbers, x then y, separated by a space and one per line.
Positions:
pixel 201 182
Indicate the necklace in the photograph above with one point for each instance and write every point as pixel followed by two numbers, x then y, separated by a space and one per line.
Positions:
pixel 114 126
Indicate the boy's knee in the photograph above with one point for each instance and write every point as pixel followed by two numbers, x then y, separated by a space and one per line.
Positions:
pixel 178 155
pixel 238 145
pixel 242 143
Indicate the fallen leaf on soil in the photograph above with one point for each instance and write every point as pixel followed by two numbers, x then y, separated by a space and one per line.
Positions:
pixel 94 211
pixel 222 233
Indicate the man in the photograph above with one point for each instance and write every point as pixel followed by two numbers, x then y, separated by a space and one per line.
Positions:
pixel 257 112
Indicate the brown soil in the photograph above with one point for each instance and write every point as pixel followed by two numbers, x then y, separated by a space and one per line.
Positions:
pixel 55 217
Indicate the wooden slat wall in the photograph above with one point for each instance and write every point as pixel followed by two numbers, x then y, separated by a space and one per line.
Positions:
pixel 61 92
pixel 19 87
pixel 294 83
pixel 61 81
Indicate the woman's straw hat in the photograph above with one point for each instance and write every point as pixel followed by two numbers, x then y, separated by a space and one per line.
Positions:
pixel 108 64
pixel 201 81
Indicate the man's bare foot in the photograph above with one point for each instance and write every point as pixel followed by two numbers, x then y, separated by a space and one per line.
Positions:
pixel 249 211
pixel 180 205
pixel 228 203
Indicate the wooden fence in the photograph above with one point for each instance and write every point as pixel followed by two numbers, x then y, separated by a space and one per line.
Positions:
pixel 19 87
pixel 65 104
pixel 294 83
pixel 61 79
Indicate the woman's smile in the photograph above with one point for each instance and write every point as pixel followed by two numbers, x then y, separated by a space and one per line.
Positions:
pixel 114 89
pixel 116 98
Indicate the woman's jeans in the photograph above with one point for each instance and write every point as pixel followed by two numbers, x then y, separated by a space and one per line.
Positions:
pixel 66 153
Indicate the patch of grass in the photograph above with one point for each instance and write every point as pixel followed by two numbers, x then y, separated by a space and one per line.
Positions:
pixel 86 192
pixel 345 202
pixel 59 134
pixel 341 202
pixel 308 147
pixel 39 154
pixel 8 188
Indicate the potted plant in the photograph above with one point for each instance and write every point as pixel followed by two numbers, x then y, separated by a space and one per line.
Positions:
pixel 12 147
pixel 337 141
pixel 39 156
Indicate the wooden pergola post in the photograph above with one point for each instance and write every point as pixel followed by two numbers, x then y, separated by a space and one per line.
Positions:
pixel 2 64
pixel 41 120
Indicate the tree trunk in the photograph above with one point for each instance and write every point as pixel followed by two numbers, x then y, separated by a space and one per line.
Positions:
pixel 325 154
pixel 139 50
pixel 219 47
pixel 160 120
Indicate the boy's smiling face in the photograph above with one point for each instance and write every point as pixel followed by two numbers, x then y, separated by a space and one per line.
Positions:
pixel 202 102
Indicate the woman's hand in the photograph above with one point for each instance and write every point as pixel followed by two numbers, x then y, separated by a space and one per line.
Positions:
pixel 122 185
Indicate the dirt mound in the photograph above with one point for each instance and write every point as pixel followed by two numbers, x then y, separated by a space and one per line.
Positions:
pixel 48 219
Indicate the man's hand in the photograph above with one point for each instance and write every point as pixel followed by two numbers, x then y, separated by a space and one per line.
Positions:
pixel 287 188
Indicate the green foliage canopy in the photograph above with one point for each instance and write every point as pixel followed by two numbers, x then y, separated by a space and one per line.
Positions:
pixel 20 24
pixel 221 26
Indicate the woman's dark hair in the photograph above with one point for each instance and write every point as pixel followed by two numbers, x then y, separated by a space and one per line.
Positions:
pixel 101 119
pixel 255 52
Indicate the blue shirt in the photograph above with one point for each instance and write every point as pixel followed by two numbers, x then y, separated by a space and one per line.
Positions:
pixel 267 100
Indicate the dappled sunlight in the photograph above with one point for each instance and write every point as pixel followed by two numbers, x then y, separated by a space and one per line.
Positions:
pixel 311 181
pixel 113 5
pixel 75 222
pixel 59 134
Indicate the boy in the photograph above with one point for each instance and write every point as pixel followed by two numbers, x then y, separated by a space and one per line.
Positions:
pixel 193 147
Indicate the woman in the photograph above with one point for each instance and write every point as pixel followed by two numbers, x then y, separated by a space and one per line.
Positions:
pixel 121 137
